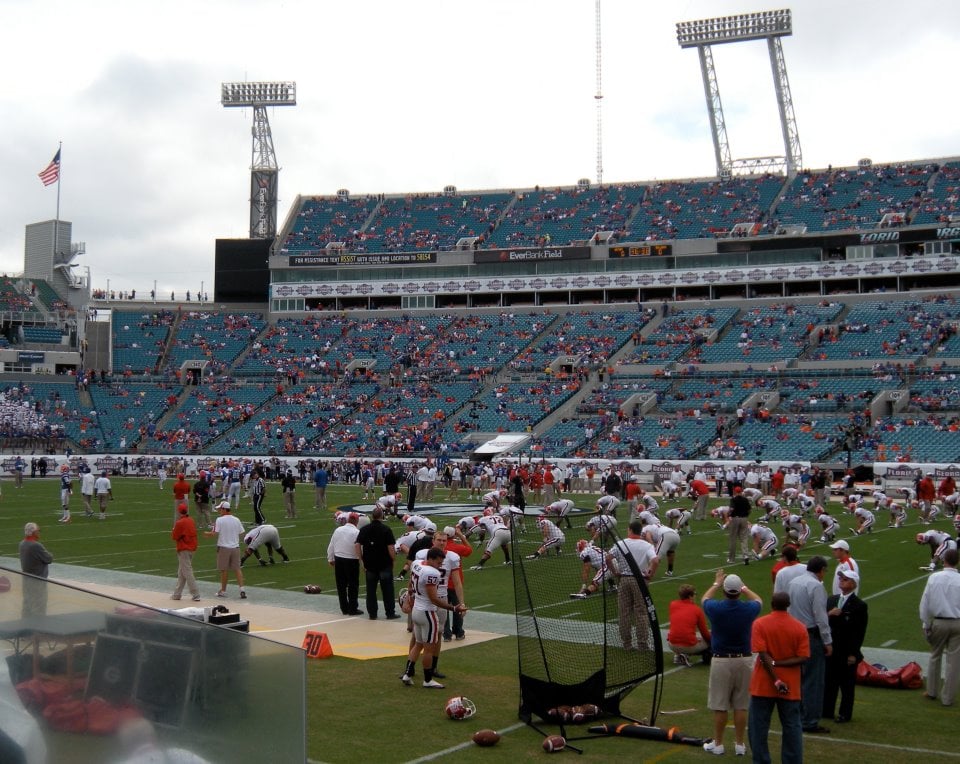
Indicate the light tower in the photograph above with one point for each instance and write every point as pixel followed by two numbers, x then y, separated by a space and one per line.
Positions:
pixel 766 25
pixel 263 166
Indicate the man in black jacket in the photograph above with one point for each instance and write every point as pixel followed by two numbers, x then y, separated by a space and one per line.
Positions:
pixel 848 625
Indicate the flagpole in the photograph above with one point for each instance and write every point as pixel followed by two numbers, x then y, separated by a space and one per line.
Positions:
pixel 56 223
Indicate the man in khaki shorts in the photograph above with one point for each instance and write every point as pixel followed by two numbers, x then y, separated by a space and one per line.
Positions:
pixel 731 620
pixel 228 530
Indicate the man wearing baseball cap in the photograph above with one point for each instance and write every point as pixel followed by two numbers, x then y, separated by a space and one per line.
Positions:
pixel 731 620
pixel 841 553
pixel 228 530
pixel 848 625
pixel 185 535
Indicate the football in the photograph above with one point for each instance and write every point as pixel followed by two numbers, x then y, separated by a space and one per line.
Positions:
pixel 486 738
pixel 312 589
pixel 554 743
pixel 564 713
pixel 580 714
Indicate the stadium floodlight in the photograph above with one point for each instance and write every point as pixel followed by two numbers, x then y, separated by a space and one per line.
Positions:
pixel 764 25
pixel 258 94
pixel 746 26
pixel 263 165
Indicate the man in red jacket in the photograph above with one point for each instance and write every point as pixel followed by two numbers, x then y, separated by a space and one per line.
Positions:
pixel 185 535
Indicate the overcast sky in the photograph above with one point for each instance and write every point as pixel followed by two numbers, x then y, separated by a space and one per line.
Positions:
pixel 409 97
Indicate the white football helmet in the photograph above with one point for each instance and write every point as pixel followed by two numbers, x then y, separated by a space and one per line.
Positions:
pixel 459 707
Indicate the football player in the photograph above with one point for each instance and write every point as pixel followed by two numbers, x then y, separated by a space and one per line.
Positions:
pixel 795 524
pixel 828 525
pixel 764 541
pixel 601 528
pixel 607 505
pixel 898 513
pixel 721 515
pixel 595 570
pixel 771 510
pixel 865 520
pixel 939 542
pixel 561 508
pixel 553 537
pixel 493 526
pixel 389 503
pixel 665 541
pixel 678 518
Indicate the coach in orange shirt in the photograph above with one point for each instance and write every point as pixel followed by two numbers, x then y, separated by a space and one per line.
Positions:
pixel 181 490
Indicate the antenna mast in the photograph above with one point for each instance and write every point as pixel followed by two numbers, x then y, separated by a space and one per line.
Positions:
pixel 598 97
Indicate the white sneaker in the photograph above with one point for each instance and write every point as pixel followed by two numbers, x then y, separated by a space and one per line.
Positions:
pixel 711 746
pixel 740 749
pixel 406 680
pixel 477 567
pixel 578 596
pixel 433 684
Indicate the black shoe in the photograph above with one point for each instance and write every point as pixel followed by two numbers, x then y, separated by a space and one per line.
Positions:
pixel 355 612
pixel 438 675
pixel 391 617
pixel 842 719
pixel 818 730
pixel 272 561
pixel 447 637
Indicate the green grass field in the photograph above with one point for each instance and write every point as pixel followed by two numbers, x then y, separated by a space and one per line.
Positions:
pixel 358 711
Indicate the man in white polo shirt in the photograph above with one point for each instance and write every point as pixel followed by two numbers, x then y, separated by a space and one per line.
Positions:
pixel 228 530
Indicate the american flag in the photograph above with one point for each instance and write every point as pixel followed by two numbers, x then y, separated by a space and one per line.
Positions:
pixel 51 173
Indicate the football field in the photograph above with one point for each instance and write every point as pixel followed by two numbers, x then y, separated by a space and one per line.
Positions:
pixel 359 711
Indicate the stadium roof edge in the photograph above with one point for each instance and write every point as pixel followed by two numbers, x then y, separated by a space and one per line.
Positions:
pixel 608 183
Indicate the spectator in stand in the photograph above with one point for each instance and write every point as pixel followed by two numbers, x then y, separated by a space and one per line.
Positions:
pixel 688 634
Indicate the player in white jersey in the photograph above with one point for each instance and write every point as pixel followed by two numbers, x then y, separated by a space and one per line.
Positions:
pixel 492 525
pixel 950 504
pixel 492 499
pixel 721 515
pixel 468 526
pixel 595 570
pixel 771 510
pixel 828 525
pixel 879 497
pixel 425 579
pixel 553 538
pixel 66 489
pixel 806 502
pixel 601 528
pixel 764 541
pixel 753 495
pixel 898 513
pixel 512 517
pixel 416 521
pixel 608 504
pixel 561 508
pixel 939 542
pixel 647 517
pixel 790 496
pixel 865 520
pixel 678 518
pixel 665 541
pixel 403 544
pixel 794 524
pixel 450 587
pixel 908 493
pixel 853 501
pixel 671 490
pixel 934 513
pixel 389 503
pixel 648 502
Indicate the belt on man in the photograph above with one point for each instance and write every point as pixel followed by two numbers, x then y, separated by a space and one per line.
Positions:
pixel 732 655
pixel 945 618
